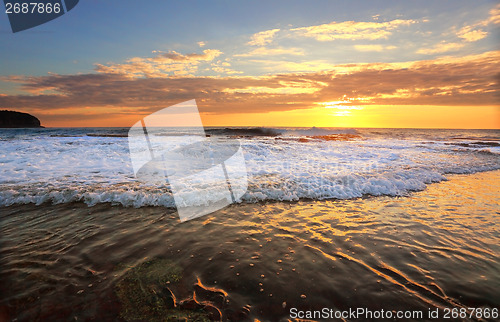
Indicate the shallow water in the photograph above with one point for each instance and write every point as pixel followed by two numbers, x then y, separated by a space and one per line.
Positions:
pixel 432 249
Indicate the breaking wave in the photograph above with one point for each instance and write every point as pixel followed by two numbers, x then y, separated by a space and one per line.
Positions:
pixel 93 165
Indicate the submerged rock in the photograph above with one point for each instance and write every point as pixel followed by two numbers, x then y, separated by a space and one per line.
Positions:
pixel 145 295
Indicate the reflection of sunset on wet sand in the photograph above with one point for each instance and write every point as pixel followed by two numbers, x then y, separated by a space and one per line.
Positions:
pixel 435 248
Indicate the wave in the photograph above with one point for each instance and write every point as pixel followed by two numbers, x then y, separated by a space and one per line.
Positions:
pixel 477 144
pixel 108 135
pixel 318 132
pixel 282 164
pixel 287 186
pixel 277 132
pixel 259 131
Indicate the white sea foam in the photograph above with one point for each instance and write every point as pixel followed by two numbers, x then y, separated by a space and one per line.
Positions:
pixel 61 165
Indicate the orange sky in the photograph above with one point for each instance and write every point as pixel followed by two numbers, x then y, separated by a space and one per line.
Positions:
pixel 463 117
pixel 410 70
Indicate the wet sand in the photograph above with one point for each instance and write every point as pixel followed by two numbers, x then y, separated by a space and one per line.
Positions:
pixel 432 249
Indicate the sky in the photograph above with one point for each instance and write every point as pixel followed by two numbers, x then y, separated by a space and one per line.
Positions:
pixel 390 64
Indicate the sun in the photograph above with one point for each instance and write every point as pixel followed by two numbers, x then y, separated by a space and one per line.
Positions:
pixel 342 107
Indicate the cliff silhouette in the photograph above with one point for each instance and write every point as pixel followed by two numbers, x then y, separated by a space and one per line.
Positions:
pixel 13 119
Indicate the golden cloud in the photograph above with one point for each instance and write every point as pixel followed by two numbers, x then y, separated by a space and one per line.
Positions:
pixel 475 32
pixel 494 16
pixel 449 81
pixel 442 47
pixel 163 64
pixel 264 51
pixel 378 48
pixel 352 30
pixel 263 38
pixel 469 34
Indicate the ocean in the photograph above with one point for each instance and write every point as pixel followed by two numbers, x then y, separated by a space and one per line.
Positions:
pixel 93 165
pixel 344 219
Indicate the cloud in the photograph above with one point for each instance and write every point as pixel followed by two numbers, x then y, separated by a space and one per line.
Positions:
pixel 494 17
pixel 352 30
pixel 222 67
pixel 161 65
pixel 263 38
pixel 442 47
pixel 264 51
pixel 470 80
pixel 208 54
pixel 289 87
pixel 378 48
pixel 449 81
pixel 475 31
pixel 294 67
pixel 201 43
pixel 470 34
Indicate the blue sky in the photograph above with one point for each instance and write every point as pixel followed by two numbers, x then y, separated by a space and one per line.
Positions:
pixel 238 39
pixel 104 31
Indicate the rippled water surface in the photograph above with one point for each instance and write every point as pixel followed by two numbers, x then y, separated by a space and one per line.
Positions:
pixel 435 248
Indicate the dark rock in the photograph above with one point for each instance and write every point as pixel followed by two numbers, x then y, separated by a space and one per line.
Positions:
pixel 190 304
pixel 214 314
pixel 144 295
pixel 214 295
pixel 12 119
pixel 143 292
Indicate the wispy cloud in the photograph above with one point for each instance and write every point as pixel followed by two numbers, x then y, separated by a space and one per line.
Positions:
pixel 476 31
pixel 442 47
pixel 223 67
pixel 273 65
pixel 263 38
pixel 378 48
pixel 163 64
pixel 470 34
pixel 353 30
pixel 494 16
pixel 264 51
